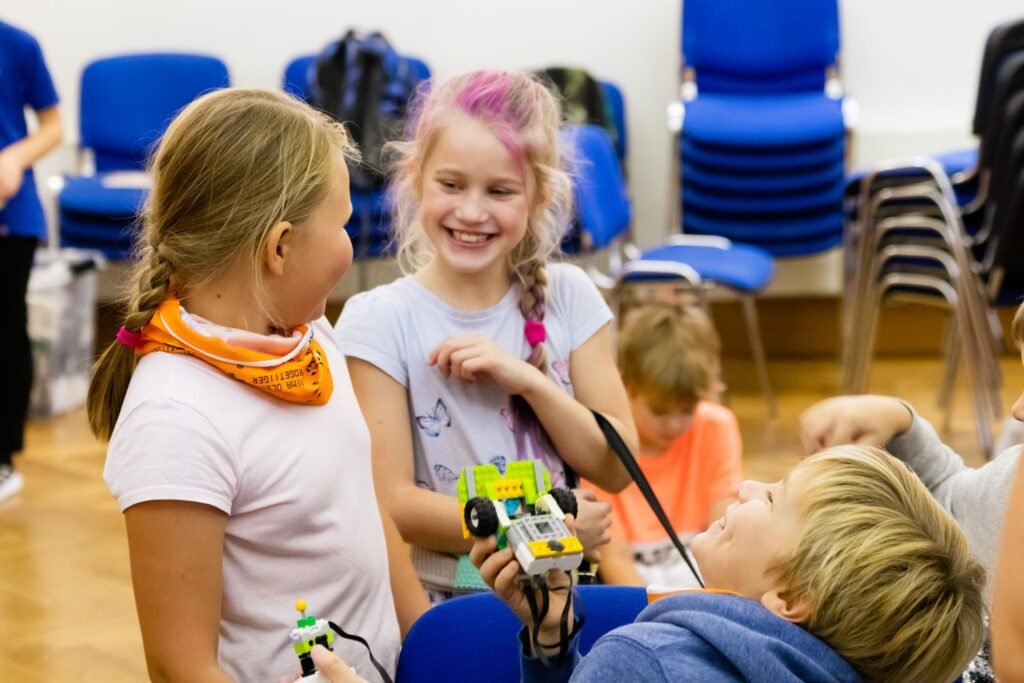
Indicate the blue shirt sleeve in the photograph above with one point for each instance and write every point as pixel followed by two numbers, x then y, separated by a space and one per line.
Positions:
pixel 534 671
pixel 40 92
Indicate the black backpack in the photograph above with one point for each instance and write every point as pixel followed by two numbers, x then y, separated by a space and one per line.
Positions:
pixel 582 98
pixel 362 82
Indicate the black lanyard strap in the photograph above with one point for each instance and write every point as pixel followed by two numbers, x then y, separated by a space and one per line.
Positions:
pixel 616 443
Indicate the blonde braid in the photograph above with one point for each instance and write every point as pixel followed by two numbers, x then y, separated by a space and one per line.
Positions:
pixel 112 373
pixel 533 280
pixel 152 281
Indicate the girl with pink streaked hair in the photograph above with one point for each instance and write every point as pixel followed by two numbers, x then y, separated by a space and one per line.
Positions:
pixel 485 351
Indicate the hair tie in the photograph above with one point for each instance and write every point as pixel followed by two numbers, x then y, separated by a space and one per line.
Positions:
pixel 132 340
pixel 535 332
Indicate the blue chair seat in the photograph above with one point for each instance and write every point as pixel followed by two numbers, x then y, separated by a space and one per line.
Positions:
pixel 953 162
pixel 89 195
pixel 958 160
pixel 771 204
pixel 111 237
pixel 757 121
pixel 797 158
pixel 740 266
pixel 712 179
pixel 474 638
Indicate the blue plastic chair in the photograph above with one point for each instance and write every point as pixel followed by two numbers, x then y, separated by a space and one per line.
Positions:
pixel 475 638
pixel 757 100
pixel 604 214
pixel 126 104
pixel 297 76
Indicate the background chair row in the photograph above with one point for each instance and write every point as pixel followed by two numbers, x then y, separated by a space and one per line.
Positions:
pixel 759 149
pixel 931 231
pixel 127 102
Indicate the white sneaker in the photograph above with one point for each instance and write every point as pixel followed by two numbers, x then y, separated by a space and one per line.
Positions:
pixel 10 482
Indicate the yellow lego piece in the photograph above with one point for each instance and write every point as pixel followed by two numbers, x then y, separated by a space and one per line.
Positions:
pixel 541 549
pixel 504 488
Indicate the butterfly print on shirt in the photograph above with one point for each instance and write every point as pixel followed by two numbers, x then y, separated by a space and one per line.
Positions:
pixel 431 423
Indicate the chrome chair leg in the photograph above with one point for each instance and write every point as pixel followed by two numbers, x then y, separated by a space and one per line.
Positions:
pixel 757 351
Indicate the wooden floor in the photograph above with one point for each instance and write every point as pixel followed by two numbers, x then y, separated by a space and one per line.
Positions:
pixel 66 609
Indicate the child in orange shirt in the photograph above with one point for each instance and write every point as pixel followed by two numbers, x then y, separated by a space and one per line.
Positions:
pixel 689 445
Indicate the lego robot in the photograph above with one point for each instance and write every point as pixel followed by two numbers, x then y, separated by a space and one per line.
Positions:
pixel 309 631
pixel 525 513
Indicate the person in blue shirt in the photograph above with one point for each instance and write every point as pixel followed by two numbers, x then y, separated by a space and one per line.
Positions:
pixel 24 82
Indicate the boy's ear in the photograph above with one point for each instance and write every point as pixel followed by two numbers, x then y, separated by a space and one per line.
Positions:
pixel 279 243
pixel 793 609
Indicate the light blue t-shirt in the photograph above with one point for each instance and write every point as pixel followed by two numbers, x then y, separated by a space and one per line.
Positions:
pixel 454 424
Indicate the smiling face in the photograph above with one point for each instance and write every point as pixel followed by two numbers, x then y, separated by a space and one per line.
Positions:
pixel 475 203
pixel 758 531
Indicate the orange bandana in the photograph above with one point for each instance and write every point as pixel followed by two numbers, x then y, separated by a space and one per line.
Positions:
pixel 300 376
pixel 656 592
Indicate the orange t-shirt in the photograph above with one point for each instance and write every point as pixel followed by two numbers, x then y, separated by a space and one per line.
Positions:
pixel 700 467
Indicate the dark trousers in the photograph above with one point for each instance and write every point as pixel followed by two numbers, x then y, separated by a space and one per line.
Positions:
pixel 15 265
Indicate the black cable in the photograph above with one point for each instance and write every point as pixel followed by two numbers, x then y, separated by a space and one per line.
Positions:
pixel 537 614
pixel 373 660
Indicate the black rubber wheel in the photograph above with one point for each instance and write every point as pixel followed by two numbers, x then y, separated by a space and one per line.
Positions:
pixel 481 518
pixel 566 500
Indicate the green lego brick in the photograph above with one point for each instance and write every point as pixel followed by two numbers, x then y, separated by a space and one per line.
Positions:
pixel 467 577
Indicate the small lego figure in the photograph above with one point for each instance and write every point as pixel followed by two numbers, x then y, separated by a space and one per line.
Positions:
pixel 309 631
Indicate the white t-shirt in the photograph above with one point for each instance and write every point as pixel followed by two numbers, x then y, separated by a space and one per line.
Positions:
pixel 454 424
pixel 296 484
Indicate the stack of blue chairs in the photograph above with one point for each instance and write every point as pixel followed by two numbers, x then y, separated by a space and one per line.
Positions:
pixel 691 262
pixel 126 104
pixel 761 125
pixel 370 225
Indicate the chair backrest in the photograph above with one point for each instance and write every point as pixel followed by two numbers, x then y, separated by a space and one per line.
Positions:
pixel 616 102
pixel 603 210
pixel 127 102
pixel 1008 85
pixel 760 46
pixel 1003 41
pixel 1007 243
pixel 473 638
pixel 296 76
pixel 1001 159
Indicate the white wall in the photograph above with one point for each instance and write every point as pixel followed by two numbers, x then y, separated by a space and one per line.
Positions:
pixel 911 64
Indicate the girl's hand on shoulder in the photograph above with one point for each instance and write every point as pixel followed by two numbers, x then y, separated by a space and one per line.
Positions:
pixel 472 357
pixel 593 520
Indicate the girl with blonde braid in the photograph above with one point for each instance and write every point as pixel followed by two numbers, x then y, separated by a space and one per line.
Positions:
pixel 485 352
pixel 237 450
